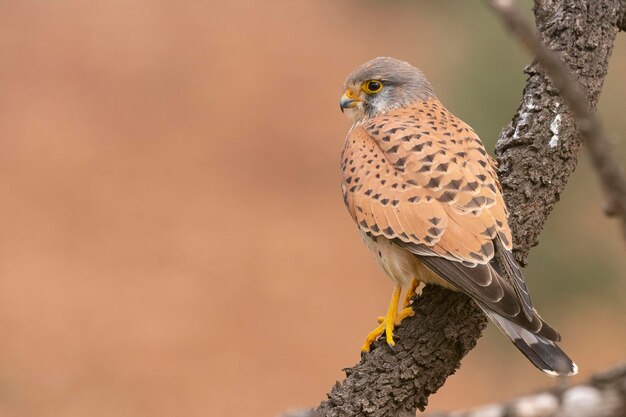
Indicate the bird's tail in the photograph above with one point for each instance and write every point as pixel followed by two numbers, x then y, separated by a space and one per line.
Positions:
pixel 541 351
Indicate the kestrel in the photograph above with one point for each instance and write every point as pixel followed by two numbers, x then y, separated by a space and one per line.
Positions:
pixel 424 194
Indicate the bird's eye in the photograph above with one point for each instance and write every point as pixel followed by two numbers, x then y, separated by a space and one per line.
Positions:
pixel 373 86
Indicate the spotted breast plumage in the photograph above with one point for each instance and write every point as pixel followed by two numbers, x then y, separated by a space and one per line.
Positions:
pixel 426 199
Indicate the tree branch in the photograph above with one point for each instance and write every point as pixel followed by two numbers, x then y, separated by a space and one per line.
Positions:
pixel 539 149
pixel 430 345
pixel 604 395
pixel 611 175
pixel 389 382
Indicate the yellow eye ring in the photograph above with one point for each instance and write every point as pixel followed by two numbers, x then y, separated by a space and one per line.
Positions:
pixel 372 86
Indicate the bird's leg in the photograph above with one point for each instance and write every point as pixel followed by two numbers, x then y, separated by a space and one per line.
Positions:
pixel 392 312
pixel 410 293
pixel 407 310
pixel 387 323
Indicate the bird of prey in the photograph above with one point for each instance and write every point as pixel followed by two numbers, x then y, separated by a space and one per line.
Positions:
pixel 425 197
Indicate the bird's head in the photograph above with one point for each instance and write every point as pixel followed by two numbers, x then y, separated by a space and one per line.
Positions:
pixel 380 85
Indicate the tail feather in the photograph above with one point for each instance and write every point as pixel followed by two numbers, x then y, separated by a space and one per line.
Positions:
pixel 542 352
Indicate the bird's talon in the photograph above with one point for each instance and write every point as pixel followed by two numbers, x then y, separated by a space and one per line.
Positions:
pixel 406 312
pixel 388 322
pixel 371 338
pixel 390 340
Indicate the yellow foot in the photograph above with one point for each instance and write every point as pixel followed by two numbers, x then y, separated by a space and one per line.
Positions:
pixel 371 338
pixel 404 313
pixel 387 323
pixel 410 293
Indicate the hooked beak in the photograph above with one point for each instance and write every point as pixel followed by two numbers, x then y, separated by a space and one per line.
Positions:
pixel 348 100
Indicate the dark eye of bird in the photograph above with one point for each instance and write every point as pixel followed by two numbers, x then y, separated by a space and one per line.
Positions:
pixel 374 86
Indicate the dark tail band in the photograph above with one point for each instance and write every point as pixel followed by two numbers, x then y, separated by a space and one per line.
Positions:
pixel 542 352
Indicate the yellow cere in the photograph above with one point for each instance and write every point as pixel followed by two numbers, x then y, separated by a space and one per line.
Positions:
pixel 350 94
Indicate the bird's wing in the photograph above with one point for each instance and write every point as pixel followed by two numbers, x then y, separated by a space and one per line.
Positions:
pixel 421 176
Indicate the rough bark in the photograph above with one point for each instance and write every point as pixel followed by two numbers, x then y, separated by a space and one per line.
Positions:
pixel 539 149
pixel 604 395
pixel 430 345
pixel 606 165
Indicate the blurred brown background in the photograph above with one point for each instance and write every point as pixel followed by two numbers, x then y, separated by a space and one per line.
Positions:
pixel 173 237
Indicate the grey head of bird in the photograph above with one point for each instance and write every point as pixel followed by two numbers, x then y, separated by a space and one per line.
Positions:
pixel 381 85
